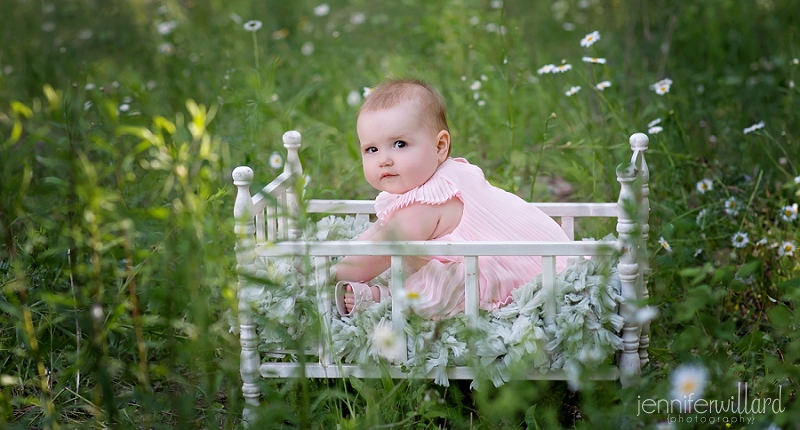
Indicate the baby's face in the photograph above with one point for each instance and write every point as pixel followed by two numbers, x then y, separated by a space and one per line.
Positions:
pixel 398 151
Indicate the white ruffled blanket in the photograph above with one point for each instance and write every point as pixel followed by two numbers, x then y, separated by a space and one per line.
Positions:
pixel 582 334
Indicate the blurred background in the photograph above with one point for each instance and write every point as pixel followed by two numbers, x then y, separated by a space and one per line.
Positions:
pixel 120 122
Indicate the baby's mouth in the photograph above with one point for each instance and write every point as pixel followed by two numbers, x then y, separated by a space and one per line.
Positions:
pixel 384 175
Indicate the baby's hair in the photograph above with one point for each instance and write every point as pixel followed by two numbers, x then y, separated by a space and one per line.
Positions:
pixel 392 92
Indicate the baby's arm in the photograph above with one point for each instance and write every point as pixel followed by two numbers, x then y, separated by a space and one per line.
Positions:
pixel 415 222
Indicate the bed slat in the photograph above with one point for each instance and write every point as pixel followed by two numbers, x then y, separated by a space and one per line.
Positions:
pixel 471 289
pixel 398 317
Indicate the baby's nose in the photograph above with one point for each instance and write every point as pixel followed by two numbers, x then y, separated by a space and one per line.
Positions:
pixel 385 159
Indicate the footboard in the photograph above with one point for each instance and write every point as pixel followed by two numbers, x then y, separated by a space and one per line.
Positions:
pixel 266 227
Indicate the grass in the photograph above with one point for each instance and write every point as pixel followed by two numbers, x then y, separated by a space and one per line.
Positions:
pixel 116 260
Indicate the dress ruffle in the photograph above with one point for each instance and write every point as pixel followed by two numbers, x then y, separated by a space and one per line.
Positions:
pixel 434 192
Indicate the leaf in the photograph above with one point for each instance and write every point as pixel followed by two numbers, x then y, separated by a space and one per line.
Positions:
pixel 791 283
pixel 780 316
pixel 530 418
pixel 748 268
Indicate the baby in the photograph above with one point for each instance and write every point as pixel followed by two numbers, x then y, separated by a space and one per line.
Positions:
pixel 425 195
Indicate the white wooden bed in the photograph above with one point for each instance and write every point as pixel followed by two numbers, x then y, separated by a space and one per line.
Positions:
pixel 266 227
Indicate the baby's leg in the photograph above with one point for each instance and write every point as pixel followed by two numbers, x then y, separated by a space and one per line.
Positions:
pixel 354 296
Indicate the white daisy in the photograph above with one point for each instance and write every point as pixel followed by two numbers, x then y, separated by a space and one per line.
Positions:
pixel 252 25
pixel 655 130
pixel 484 78
pixel 603 85
pixel 562 68
pixel 166 28
pixel 307 48
pixel 275 160
pixel 759 246
pixel 654 122
pixel 353 98
pixel 646 314
pixel 475 86
pixel 688 380
pixel 590 39
pixel 701 217
pixel 757 126
pixel 385 341
pixel 496 4
pixel 547 68
pixel 86 34
pixel 572 91
pixel 322 9
pixel 797 179
pixel 787 248
pixel 739 239
pixel 731 206
pixel 481 103
pixel 124 107
pixel 789 213
pixel 358 18
pixel 89 86
pixel 662 87
pixel 594 60
pixel 663 425
pixel 366 91
pixel 704 185
pixel 664 244
pixel 166 48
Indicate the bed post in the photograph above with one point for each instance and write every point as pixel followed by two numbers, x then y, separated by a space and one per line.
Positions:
pixel 639 143
pixel 291 141
pixel 628 268
pixel 245 259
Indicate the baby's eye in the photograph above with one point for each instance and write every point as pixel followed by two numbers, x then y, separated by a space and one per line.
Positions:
pixel 400 144
pixel 370 150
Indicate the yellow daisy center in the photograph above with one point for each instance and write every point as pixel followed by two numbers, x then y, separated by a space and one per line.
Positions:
pixel 413 295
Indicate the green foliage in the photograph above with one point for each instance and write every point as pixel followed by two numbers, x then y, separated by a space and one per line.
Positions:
pixel 116 259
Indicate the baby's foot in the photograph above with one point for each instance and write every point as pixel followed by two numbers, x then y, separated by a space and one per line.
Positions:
pixel 350 298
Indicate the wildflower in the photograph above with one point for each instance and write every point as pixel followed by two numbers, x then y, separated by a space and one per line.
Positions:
pixel 646 314
pixel 759 246
pixel 496 4
pixel 787 248
pixel 796 61
pixel 166 48
pixel 664 244
pixel 664 425
pixel 124 107
pixel 358 18
pixel 491 27
pixel 704 185
pixel 307 48
pixel 475 20
pixel 562 68
pixel 797 179
pixel 353 98
pixel 385 341
pixel 547 68
pixel 757 126
pixel 789 213
pixel 8 70
pixel 85 34
pixel 590 39
pixel 572 91
pixel 688 380
pixel 409 299
pixel 655 130
pixel 739 239
pixel 476 96
pixel 603 85
pixel 654 123
pixel 275 160
pixel 594 60
pixel 484 78
pixel 235 18
pixel 87 105
pixel 322 9
pixel 481 103
pixel 662 87
pixel 475 86
pixel 166 27
pixel 89 86
pixel 701 217
pixel 568 26
pixel 366 91
pixel 697 252
pixel 48 26
pixel 252 25
pixel 731 206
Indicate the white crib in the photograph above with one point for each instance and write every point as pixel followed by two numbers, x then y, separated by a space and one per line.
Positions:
pixel 266 226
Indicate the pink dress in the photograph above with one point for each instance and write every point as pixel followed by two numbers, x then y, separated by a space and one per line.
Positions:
pixel 490 214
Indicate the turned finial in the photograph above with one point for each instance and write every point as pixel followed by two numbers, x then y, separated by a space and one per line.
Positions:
pixel 242 175
pixel 291 141
pixel 639 142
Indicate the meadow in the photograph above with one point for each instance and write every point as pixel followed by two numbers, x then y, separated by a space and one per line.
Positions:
pixel 121 120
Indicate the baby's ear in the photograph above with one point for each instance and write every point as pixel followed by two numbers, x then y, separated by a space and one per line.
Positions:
pixel 443 145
